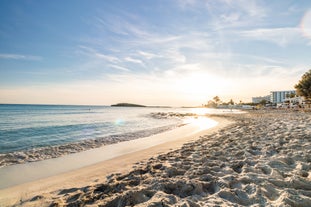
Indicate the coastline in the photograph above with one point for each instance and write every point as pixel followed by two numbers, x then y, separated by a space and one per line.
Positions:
pixel 62 172
pixel 260 158
pixel 51 152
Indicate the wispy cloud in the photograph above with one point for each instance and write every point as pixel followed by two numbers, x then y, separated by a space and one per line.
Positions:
pixel 131 29
pixel 108 58
pixel 227 14
pixel 175 55
pixel 119 25
pixel 19 57
pixel 207 48
pixel 148 55
pixel 279 36
pixel 90 52
pixel 185 4
pixel 236 57
pixel 305 25
pixel 133 60
pixel 252 8
pixel 262 59
pixel 118 67
pixel 147 46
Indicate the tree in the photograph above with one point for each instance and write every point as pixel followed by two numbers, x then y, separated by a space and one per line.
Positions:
pixel 216 99
pixel 290 95
pixel 263 102
pixel 211 104
pixel 303 88
pixel 231 102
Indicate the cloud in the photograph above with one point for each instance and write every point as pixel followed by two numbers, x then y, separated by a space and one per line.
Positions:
pixel 227 14
pixel 250 8
pixel 279 36
pixel 144 46
pixel 143 43
pixel 305 25
pixel 148 55
pixel 185 4
pixel 88 51
pixel 108 58
pixel 175 55
pixel 123 26
pixel 119 67
pixel 230 18
pixel 133 60
pixel 19 57
pixel 131 29
pixel 207 46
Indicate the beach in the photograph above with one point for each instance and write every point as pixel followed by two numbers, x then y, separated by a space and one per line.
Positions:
pixel 260 158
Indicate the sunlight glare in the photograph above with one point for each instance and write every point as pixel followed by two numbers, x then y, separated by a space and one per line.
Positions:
pixel 119 122
pixel 201 84
pixel 200 111
pixel 202 122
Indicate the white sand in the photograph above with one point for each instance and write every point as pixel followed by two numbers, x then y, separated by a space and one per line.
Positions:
pixel 262 159
pixel 26 180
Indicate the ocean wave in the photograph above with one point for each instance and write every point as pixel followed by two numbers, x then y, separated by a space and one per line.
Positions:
pixel 169 115
pixel 42 153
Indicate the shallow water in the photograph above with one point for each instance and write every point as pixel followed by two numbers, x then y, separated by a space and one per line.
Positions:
pixel 24 127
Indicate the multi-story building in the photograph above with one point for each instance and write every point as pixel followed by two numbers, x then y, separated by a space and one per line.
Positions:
pixel 280 96
pixel 258 99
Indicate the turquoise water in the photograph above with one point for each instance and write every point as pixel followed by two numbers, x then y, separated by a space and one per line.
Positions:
pixel 24 127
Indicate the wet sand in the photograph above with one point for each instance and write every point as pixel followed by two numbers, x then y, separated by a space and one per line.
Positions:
pixel 10 175
pixel 262 158
pixel 92 165
pixel 49 152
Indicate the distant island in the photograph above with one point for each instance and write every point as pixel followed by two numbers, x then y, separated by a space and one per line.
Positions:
pixel 127 105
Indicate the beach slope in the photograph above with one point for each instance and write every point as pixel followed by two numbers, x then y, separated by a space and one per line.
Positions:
pixel 92 166
pixel 262 159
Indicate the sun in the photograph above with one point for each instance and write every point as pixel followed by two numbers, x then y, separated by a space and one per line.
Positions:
pixel 201 85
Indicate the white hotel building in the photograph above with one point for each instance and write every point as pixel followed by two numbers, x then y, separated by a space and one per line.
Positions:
pixel 280 96
pixel 258 99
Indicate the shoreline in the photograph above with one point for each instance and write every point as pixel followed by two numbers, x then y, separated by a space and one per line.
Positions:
pixel 159 143
pixel 51 152
pixel 55 151
pixel 260 158
pixel 49 167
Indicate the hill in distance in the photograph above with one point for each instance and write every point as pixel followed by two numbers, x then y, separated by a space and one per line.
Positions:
pixel 127 105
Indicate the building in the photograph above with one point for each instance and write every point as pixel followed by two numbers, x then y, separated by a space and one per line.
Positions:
pixel 298 100
pixel 280 96
pixel 258 99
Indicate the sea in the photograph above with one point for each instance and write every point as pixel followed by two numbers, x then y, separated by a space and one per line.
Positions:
pixel 25 127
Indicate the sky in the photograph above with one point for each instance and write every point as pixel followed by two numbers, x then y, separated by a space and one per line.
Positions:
pixel 160 52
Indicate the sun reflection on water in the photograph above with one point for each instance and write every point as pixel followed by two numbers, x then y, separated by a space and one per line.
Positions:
pixel 200 111
pixel 201 122
pixel 119 122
